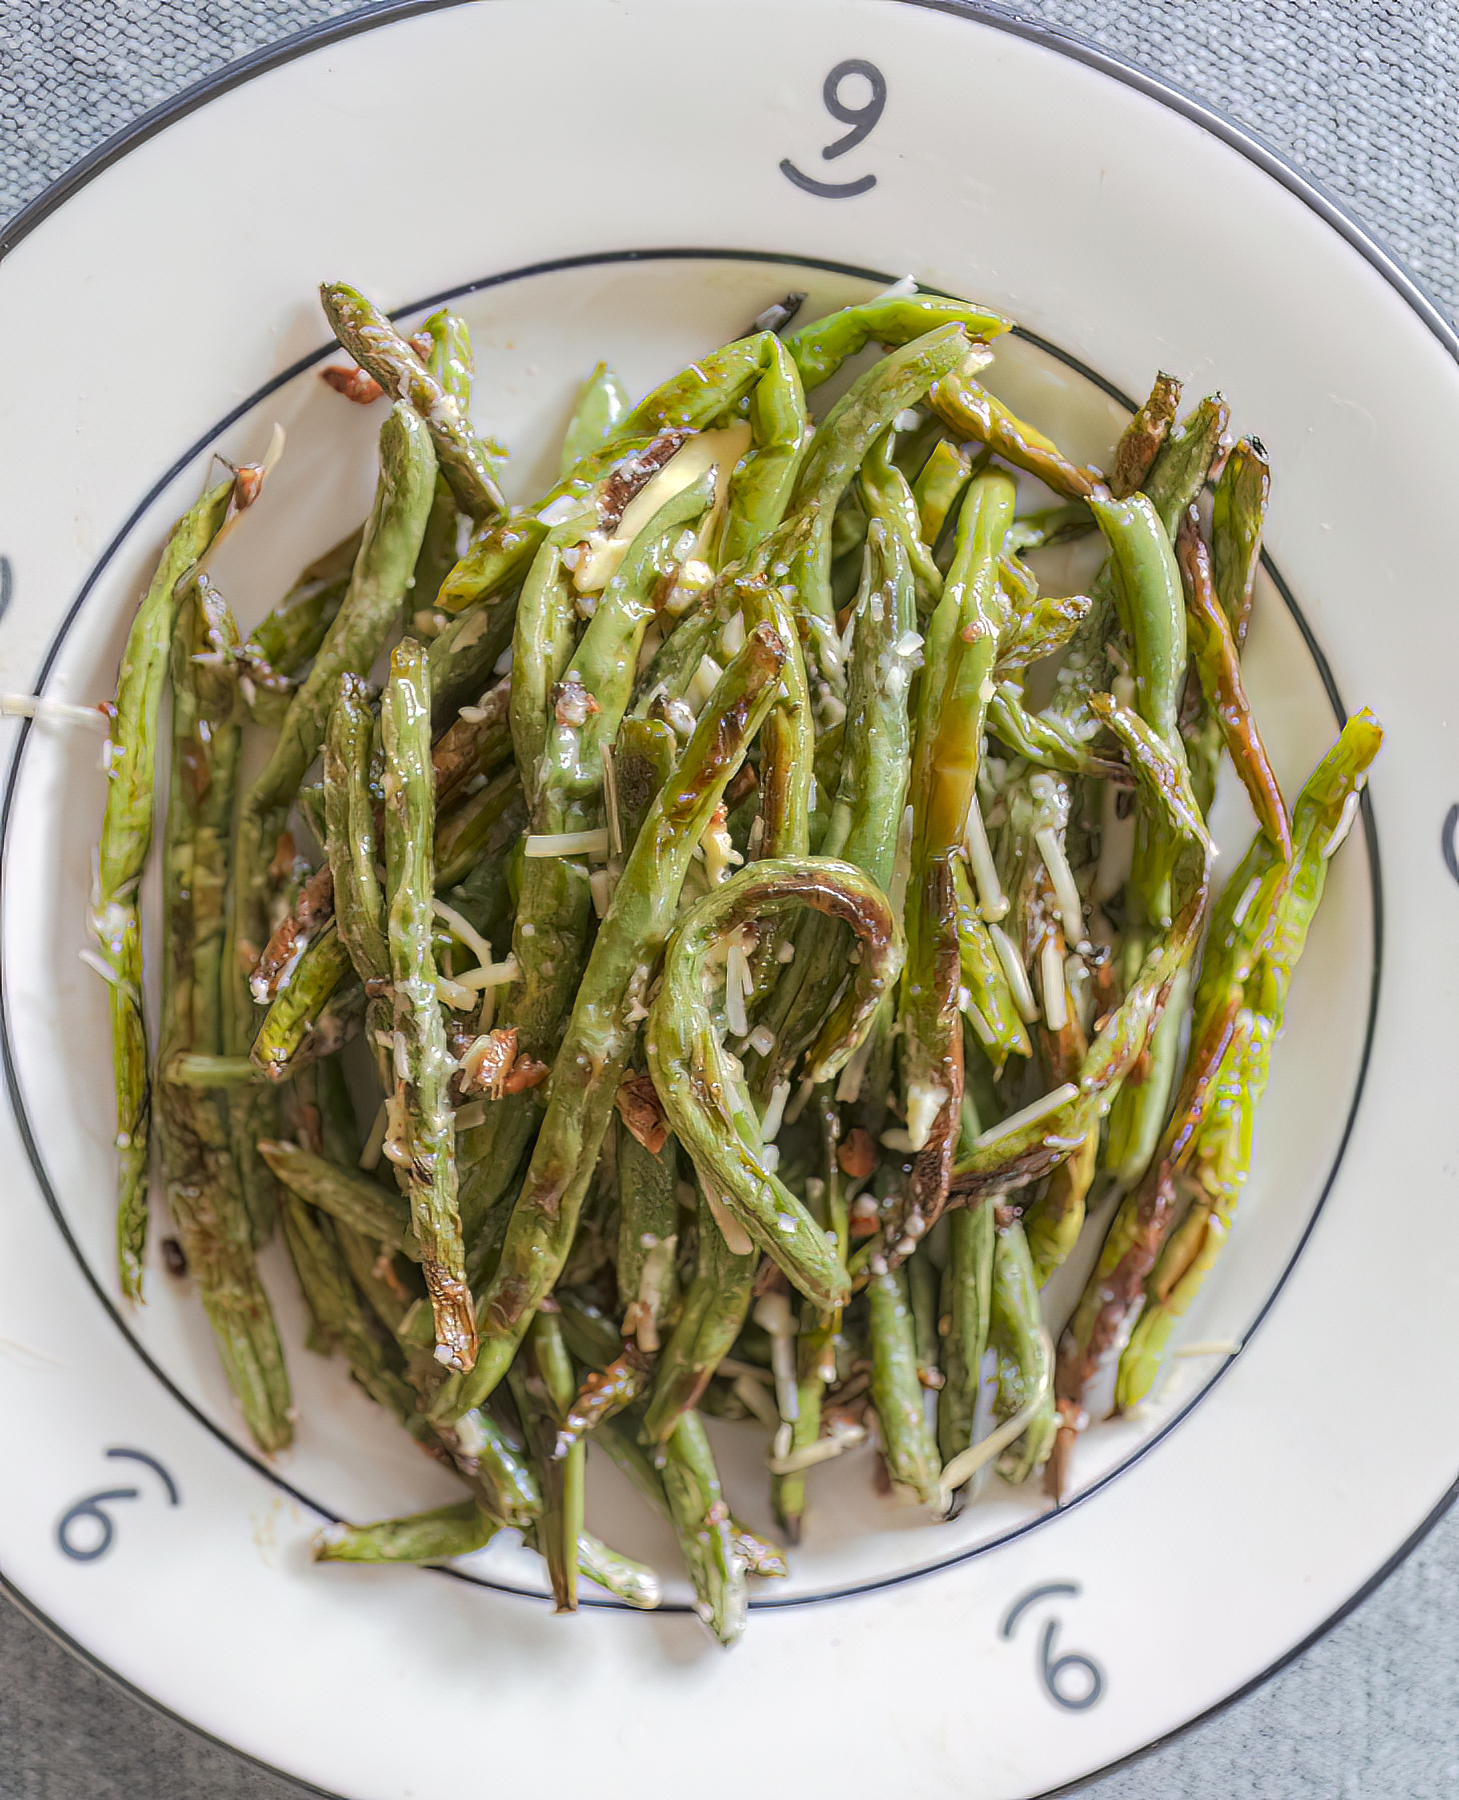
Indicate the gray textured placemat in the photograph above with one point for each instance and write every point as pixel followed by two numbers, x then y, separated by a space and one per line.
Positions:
pixel 1363 97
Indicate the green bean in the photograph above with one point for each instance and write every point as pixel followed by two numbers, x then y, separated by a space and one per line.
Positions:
pixel 648 1225
pixel 962 642
pixel 957 661
pixel 339 1311
pixel 970 412
pixel 887 496
pixel 426 1131
pixel 1153 607
pixel 1025 1355
pixel 542 643
pixel 761 485
pixel 940 486
pixel 787 739
pixel 465 652
pixel 1220 1155
pixel 126 838
pixel 1041 629
pixel 365 1206
pixel 379 349
pixel 706 1530
pixel 439 1535
pixel 1044 738
pixel 702 1094
pixel 1051 525
pixel 840 447
pixel 451 363
pixel 349 801
pixel 817 1331
pixel 502 549
pixel 555 904
pixel 632 1582
pixel 896 1393
pixel 1184 460
pixel 1054 1220
pixel 1144 437
pixel 484 825
pixel 544 1388
pixel 706 391
pixel 967 1315
pixel 601 405
pixel 351 842
pixel 489 1459
pixel 1161 772
pixel 1218 667
pixel 713 1315
pixel 1238 511
pixel 450 358
pixel 990 1005
pixel 377 586
pixel 447 1532
pixel 203 1192
pixel 870 795
pixel 610 998
pixel 758 1556
pixel 891 320
pixel 286 1040
pixel 872 791
pixel 1217 1154
pixel 922 1286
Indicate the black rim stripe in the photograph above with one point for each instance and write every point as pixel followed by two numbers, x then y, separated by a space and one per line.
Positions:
pixel 762 1602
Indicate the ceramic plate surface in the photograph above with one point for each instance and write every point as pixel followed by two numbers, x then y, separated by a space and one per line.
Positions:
pixel 636 181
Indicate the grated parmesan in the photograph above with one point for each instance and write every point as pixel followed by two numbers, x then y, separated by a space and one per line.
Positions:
pixel 593 844
pixel 1029 1115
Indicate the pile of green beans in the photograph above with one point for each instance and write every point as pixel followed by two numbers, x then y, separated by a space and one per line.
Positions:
pixel 707 947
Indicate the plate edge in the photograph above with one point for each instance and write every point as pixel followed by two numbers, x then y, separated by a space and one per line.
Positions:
pixel 1060 41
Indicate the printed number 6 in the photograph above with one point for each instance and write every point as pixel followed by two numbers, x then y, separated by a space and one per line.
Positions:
pixel 861 119
pixel 92 1508
pixel 1053 1669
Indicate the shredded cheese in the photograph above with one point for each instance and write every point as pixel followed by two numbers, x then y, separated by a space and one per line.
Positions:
pixel 1017 975
pixel 592 844
pixel 992 901
pixel 1029 1115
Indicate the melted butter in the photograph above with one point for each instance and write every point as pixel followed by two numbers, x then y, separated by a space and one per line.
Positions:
pixel 720 450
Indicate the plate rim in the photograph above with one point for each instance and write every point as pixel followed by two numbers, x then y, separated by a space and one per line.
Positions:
pixel 1242 138
pixel 1063 42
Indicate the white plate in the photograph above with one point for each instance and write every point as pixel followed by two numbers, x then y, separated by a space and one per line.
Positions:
pixel 629 180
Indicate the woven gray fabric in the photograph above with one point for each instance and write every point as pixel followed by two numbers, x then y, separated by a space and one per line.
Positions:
pixel 1360 95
